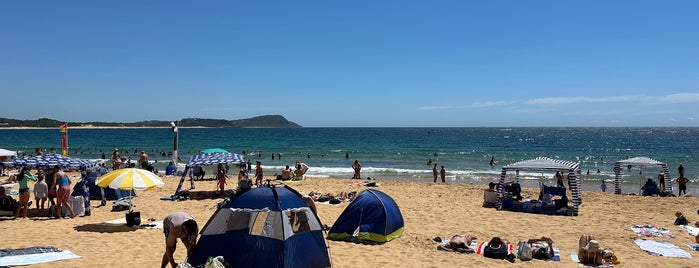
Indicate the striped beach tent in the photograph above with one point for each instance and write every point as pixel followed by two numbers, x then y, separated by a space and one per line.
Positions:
pixel 640 161
pixel 208 159
pixel 51 160
pixel 545 164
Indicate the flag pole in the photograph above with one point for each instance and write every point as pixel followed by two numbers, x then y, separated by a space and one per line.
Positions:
pixel 175 128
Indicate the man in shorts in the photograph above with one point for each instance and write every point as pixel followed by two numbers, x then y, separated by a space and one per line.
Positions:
pixel 178 225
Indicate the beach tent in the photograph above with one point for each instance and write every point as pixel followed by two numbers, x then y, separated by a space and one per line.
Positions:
pixel 207 159
pixel 372 216
pixel 545 164
pixel 50 160
pixel 4 152
pixel 268 226
pixel 640 161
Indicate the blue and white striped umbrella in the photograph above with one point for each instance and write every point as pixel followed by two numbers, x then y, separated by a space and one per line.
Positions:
pixel 214 159
pixel 50 160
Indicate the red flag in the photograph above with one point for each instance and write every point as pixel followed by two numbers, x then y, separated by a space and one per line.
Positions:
pixel 64 139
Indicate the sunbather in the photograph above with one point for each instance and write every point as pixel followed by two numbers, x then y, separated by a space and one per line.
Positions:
pixel 542 248
pixel 589 250
pixel 459 243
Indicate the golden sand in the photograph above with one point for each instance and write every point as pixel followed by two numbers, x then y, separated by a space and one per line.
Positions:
pixel 429 210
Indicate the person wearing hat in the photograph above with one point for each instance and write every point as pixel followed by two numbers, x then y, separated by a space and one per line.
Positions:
pixel 589 250
pixel 681 219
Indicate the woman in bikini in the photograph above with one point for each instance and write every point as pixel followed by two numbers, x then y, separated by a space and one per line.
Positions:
pixel 63 182
pixel 22 178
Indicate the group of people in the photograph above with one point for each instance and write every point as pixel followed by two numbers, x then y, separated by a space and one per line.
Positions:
pixel 589 249
pixel 442 173
pixel 52 185
pixel 298 173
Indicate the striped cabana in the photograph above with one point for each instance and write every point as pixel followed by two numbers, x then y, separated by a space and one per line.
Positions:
pixel 640 161
pixel 545 164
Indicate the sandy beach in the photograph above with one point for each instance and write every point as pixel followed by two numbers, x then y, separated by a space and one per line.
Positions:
pixel 429 210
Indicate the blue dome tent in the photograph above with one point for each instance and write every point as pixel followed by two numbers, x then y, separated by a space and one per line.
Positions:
pixel 264 227
pixel 373 216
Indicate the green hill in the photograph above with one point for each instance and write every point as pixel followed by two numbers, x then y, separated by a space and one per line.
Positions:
pixel 265 121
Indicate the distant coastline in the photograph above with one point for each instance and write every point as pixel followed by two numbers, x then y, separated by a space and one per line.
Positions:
pixel 265 121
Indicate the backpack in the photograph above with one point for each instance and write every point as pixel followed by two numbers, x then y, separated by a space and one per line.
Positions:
pixel 524 251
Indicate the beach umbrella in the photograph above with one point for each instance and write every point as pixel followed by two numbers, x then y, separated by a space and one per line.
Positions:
pixel 129 179
pixel 4 152
pixel 50 160
pixel 214 150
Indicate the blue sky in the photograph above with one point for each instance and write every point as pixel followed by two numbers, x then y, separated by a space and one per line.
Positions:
pixel 354 63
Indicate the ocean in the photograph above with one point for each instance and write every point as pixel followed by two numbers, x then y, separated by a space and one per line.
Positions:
pixel 396 153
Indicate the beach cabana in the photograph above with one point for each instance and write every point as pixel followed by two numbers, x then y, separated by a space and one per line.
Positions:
pixel 207 159
pixel 545 164
pixel 640 161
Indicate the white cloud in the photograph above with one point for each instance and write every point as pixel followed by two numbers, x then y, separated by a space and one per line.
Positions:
pixel 491 104
pixel 679 98
pixel 434 107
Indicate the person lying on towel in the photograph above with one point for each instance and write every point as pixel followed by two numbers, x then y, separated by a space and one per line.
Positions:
pixel 459 243
pixel 542 248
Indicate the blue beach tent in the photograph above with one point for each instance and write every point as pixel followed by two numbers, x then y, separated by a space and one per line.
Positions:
pixel 264 227
pixel 373 216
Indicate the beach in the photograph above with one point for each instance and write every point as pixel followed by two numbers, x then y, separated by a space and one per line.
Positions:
pixel 430 210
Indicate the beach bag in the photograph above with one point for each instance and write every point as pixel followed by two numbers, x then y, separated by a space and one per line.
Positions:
pixel 495 252
pixel 133 218
pixel 524 251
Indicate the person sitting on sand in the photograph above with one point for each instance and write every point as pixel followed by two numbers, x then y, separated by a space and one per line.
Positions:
pixel 650 188
pixel 589 250
pixel 286 174
pixel 542 248
pixel 681 219
pixel 459 243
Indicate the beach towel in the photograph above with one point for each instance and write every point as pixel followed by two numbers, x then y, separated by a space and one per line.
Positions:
pixel 693 231
pixel 651 231
pixel 574 257
pixel 662 248
pixel 145 225
pixel 33 255
pixel 446 240
pixel 694 247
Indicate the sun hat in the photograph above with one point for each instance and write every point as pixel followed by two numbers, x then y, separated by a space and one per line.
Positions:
pixel 678 213
pixel 592 246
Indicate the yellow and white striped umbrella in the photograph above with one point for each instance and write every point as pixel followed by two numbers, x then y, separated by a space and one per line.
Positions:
pixel 129 179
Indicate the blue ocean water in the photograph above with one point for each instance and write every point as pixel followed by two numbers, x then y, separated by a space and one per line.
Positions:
pixel 394 153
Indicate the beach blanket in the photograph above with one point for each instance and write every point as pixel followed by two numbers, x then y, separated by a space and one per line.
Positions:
pixel 651 231
pixel 693 231
pixel 144 225
pixel 694 247
pixel 662 248
pixel 33 255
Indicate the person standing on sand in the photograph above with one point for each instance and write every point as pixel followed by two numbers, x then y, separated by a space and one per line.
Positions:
pixel 115 159
pixel 357 167
pixel 63 182
pixel 682 182
pixel 603 187
pixel 258 174
pixel 443 174
pixel 435 172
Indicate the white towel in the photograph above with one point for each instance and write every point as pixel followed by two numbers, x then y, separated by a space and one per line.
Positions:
pixel 662 248
pixel 37 258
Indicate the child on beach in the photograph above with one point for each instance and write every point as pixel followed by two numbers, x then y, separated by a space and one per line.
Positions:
pixel 41 193
pixel 603 187
pixel 23 178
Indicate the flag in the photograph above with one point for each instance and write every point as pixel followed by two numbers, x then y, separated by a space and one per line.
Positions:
pixel 64 139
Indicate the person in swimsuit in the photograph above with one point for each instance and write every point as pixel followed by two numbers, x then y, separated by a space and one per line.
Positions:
pixel 178 225
pixel 63 182
pixel 357 170
pixel 459 243
pixel 258 174
pixel 22 178
pixel 41 192
pixel 221 174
